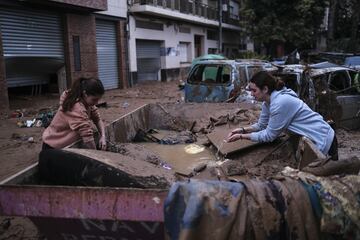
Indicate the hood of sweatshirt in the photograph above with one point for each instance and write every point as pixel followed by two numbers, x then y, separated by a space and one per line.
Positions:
pixel 283 91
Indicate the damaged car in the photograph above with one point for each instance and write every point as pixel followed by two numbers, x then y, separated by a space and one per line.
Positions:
pixel 338 95
pixel 220 80
pixel 334 92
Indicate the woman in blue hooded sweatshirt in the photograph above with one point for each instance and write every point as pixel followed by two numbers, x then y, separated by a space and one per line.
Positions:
pixel 283 110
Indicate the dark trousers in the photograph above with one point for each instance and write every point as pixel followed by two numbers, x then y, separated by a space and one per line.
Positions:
pixel 333 151
pixel 46 147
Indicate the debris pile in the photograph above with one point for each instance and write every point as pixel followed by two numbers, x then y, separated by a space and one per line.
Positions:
pixel 43 118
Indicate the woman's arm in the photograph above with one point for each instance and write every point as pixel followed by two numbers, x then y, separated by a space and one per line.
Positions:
pixel 239 133
pixel 78 120
pixel 102 140
pixel 95 117
pixel 263 120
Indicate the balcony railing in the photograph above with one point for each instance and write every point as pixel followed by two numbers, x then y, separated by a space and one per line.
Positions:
pixel 231 18
pixel 183 6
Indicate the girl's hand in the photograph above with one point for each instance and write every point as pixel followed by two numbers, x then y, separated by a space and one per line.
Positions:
pixel 102 143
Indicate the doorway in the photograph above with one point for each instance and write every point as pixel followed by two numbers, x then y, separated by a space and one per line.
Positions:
pixel 199 49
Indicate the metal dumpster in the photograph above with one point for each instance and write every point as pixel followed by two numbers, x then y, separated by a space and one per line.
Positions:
pixel 104 213
pixel 63 212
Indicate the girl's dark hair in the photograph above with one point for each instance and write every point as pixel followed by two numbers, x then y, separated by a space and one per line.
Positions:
pixel 264 78
pixel 91 86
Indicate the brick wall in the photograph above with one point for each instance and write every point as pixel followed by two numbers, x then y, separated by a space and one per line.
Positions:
pixel 122 46
pixel 4 99
pixel 83 26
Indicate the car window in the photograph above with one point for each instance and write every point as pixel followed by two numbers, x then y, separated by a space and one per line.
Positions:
pixel 211 74
pixel 253 69
pixel 242 75
pixel 321 82
pixel 225 74
pixel 339 81
pixel 355 82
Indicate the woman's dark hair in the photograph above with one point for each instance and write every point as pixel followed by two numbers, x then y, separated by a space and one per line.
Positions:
pixel 91 86
pixel 264 78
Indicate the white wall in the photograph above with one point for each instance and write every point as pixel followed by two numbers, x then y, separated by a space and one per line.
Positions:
pixel 116 8
pixel 171 37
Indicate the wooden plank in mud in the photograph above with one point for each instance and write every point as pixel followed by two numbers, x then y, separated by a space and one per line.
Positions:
pixel 218 136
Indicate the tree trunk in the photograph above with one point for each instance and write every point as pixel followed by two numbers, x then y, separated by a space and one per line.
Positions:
pixel 280 49
pixel 353 46
pixel 331 23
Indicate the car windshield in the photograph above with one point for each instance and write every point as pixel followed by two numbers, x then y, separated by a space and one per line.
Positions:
pixel 339 82
pixel 211 74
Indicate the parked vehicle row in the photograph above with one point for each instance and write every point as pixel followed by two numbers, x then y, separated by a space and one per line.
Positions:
pixel 331 90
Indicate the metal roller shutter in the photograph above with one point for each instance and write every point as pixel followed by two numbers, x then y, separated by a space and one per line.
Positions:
pixel 31 34
pixel 32 45
pixel 107 56
pixel 148 59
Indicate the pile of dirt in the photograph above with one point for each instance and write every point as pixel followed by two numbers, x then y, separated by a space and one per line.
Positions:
pixel 348 143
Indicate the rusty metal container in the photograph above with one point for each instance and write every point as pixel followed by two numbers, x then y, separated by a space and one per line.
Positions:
pixel 64 212
pixel 104 213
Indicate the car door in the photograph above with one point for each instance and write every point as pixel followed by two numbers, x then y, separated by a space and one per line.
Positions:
pixel 342 82
pixel 209 83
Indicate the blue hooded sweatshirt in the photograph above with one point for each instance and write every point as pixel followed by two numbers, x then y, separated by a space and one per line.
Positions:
pixel 287 112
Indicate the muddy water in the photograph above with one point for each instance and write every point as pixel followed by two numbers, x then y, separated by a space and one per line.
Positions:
pixel 182 158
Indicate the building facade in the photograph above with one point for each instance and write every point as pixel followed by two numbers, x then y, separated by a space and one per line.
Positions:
pixel 165 35
pixel 46 45
pixel 49 44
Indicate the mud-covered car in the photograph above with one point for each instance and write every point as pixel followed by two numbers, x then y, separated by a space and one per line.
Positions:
pixel 338 95
pixel 220 80
pixel 352 62
pixel 334 92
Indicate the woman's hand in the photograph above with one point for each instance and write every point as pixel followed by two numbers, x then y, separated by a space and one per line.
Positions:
pixel 236 131
pixel 234 137
pixel 102 143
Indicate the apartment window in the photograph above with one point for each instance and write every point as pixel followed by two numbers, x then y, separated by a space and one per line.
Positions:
pixel 184 50
pixel 212 35
pixel 184 29
pixel 77 55
pixel 212 50
pixel 243 46
pixel 149 25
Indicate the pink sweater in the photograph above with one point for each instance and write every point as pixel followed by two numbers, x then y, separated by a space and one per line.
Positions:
pixel 71 126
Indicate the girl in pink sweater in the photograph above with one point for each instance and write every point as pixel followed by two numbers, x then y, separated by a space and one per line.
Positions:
pixel 73 120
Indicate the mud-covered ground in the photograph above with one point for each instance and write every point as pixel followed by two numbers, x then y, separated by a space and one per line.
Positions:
pixel 19 147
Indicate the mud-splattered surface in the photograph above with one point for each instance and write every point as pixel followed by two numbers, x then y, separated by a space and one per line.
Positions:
pixel 18 152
